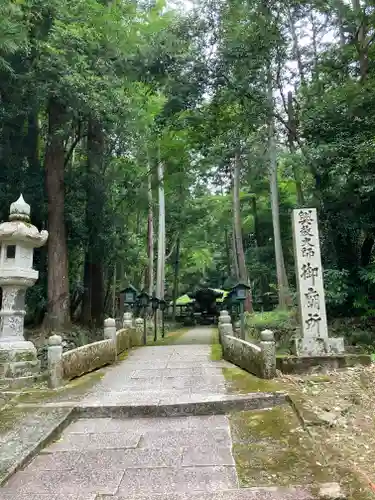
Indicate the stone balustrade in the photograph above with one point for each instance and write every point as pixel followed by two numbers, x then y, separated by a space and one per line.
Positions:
pixel 259 360
pixel 76 362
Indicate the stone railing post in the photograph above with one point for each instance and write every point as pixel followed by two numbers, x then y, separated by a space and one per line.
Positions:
pixel 225 325
pixel 139 331
pixel 127 321
pixel 55 365
pixel 268 346
pixel 237 329
pixel 110 332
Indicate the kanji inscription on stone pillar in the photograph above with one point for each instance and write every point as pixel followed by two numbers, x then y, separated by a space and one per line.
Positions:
pixel 310 287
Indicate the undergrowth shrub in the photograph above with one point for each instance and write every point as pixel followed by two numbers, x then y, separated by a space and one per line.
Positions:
pixel 282 323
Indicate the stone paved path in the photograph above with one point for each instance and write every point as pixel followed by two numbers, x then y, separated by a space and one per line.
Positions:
pixel 164 374
pixel 176 458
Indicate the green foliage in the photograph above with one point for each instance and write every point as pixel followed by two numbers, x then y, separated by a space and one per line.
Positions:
pixel 336 287
pixel 282 323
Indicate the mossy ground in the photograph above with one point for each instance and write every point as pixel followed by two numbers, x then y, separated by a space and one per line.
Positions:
pixel 216 348
pixel 72 391
pixel 271 448
pixel 239 381
pixel 169 338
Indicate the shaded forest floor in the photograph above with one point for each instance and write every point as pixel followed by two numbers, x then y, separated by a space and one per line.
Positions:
pixel 337 410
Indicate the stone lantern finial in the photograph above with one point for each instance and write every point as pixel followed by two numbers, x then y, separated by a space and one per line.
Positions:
pixel 19 210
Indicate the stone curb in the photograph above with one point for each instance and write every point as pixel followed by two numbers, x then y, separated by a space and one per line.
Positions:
pixel 215 407
pixel 243 402
pixel 29 454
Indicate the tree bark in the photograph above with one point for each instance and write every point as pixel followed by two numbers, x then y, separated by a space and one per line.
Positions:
pixel 227 251
pixel 292 134
pixel 296 49
pixel 176 276
pixel 362 44
pixel 242 270
pixel 58 306
pixel 150 237
pixel 161 235
pixel 282 280
pixel 235 259
pixel 93 300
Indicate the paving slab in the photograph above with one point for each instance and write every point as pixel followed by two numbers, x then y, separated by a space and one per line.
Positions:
pixel 178 439
pixel 171 480
pixel 102 441
pixel 240 494
pixel 65 482
pixel 205 456
pixel 46 496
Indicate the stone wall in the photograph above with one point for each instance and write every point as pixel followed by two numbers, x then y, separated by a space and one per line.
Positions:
pixel 243 354
pixel 87 358
pixel 313 364
pixel 260 360
pixel 123 340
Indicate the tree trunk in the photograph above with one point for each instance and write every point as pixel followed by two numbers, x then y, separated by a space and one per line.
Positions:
pixel 292 134
pixel 236 271
pixel 58 306
pixel 86 301
pixel 93 303
pixel 242 270
pixel 227 252
pixel 176 276
pixel 150 237
pixel 254 209
pixel 161 235
pixel 296 49
pixel 362 45
pixel 282 280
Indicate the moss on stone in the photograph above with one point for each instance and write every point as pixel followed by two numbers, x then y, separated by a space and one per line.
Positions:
pixel 239 381
pixel 74 389
pixel 122 356
pixel 271 448
pixel 24 356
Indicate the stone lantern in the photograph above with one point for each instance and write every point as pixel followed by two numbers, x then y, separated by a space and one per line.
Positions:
pixel 18 238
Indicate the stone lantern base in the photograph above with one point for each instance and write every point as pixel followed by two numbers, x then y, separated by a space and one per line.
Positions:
pixel 19 364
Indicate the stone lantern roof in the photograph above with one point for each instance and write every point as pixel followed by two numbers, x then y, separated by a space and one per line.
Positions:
pixel 19 229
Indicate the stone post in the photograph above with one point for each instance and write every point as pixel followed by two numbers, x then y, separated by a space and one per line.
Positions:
pixel 225 325
pixel 139 331
pixel 310 288
pixel 237 329
pixel 110 332
pixel 127 321
pixel 55 365
pixel 18 238
pixel 268 347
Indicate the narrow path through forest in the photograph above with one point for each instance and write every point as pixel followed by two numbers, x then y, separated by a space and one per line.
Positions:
pixel 170 458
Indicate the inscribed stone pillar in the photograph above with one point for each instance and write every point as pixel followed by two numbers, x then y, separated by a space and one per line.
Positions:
pixel 310 287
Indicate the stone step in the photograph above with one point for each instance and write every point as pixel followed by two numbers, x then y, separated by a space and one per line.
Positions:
pixel 215 405
pixel 266 493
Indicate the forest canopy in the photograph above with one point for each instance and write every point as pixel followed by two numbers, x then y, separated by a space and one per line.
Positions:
pixel 166 147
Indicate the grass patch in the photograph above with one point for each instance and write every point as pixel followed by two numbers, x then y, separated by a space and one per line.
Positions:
pixel 239 381
pixel 216 348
